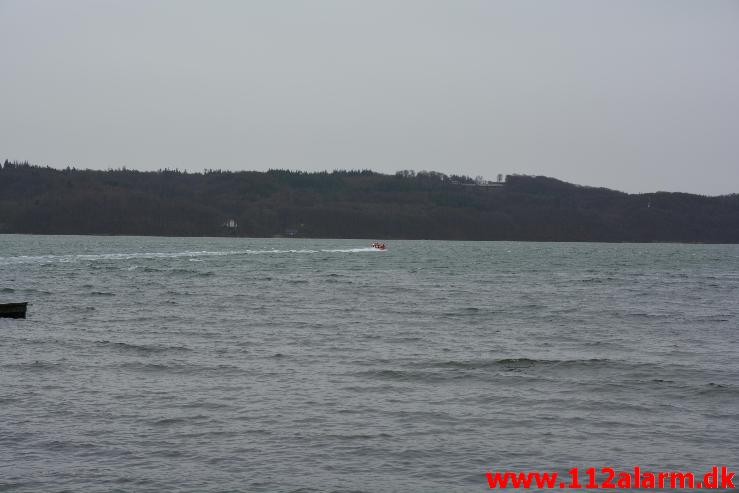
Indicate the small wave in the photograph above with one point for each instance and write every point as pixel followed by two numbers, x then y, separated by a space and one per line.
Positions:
pixel 719 388
pixel 359 436
pixel 644 315
pixel 204 405
pixel 35 365
pixel 102 293
pixel 148 366
pixel 511 364
pixel 598 280
pixel 413 375
pixel 452 369
pixel 402 339
pixel 180 293
pixel 393 374
pixel 141 348
pixel 469 311
pixel 35 291
pixel 505 363
pixel 172 367
pixel 178 420
pixel 190 272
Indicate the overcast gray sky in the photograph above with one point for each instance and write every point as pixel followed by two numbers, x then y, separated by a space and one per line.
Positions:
pixel 633 95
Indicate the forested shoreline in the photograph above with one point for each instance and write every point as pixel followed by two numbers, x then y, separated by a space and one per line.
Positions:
pixel 350 204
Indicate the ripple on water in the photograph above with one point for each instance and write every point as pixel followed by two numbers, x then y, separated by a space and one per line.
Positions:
pixel 312 365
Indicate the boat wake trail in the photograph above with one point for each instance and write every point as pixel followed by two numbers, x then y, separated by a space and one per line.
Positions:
pixel 192 255
pixel 352 250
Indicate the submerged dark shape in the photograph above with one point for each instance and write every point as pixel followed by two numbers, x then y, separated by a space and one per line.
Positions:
pixel 13 310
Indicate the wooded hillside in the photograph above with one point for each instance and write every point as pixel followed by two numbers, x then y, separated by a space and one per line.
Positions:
pixel 350 204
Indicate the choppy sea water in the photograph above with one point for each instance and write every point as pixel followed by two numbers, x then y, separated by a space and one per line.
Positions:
pixel 208 365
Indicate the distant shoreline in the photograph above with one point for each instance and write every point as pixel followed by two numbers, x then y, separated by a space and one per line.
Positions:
pixel 353 204
pixel 368 239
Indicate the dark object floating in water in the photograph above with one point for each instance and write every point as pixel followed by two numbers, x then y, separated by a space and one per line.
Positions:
pixel 13 310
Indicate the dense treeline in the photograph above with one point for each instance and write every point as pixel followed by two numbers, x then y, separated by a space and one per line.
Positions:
pixel 346 204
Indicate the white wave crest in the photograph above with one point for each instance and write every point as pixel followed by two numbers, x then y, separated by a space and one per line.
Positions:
pixel 192 255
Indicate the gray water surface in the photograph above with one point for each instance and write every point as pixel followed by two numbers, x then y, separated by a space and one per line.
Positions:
pixel 206 364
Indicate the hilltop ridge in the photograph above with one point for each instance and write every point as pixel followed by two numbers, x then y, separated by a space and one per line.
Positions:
pixel 350 204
